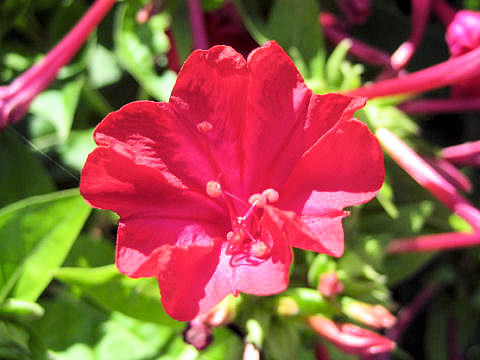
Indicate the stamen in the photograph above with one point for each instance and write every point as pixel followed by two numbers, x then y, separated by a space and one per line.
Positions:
pixel 213 189
pixel 260 249
pixel 271 195
pixel 257 200
pixel 204 127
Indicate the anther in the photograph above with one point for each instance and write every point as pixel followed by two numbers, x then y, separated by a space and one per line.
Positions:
pixel 236 237
pixel 260 249
pixel 204 127
pixel 271 195
pixel 257 200
pixel 213 189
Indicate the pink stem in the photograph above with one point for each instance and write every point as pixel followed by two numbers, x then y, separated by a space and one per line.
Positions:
pixel 426 176
pixel 451 173
pixel 463 154
pixel 440 106
pixel 197 23
pixel 406 316
pixel 443 11
pixel 435 242
pixel 361 50
pixel 39 76
pixel 420 12
pixel 446 73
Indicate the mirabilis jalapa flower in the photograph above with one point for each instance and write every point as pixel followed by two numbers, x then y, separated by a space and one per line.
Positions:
pixel 214 187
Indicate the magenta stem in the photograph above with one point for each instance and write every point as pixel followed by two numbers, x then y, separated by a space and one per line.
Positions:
pixel 39 76
pixel 435 242
pixel 406 316
pixel 446 73
pixel 443 11
pixel 428 177
pixel 420 12
pixel 441 106
pixel 464 154
pixel 359 49
pixel 197 23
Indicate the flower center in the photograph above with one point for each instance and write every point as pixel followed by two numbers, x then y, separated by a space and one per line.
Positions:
pixel 244 241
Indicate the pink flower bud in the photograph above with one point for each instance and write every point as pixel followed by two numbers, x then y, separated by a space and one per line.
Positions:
pixel 198 334
pixel 250 352
pixel 463 33
pixel 376 316
pixel 329 285
pixel 463 36
pixel 464 154
pixel 350 338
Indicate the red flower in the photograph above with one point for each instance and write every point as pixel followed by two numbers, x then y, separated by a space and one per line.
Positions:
pixel 215 186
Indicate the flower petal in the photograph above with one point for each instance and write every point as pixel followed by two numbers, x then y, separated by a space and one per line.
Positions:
pixel 211 89
pixel 140 239
pixel 270 276
pixel 183 255
pixel 275 112
pixel 319 233
pixel 343 168
pixel 113 180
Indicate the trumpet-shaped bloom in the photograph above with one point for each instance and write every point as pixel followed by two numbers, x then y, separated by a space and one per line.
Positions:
pixel 214 187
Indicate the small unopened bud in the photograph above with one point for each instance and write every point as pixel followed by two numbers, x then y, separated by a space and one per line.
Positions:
pixel 329 285
pixel 376 316
pixel 197 334
pixel 250 352
pixel 213 189
pixel 287 306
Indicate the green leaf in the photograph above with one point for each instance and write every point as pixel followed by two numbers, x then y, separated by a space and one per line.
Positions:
pixel 138 298
pixel 20 310
pixel 89 251
pixel 140 48
pixel 37 234
pixel 56 109
pixel 292 23
pixel 76 148
pixel 15 175
pixel 13 342
pixel 103 68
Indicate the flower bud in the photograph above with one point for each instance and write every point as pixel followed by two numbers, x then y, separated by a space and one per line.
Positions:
pixel 329 285
pixel 350 338
pixel 463 33
pixel 376 316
